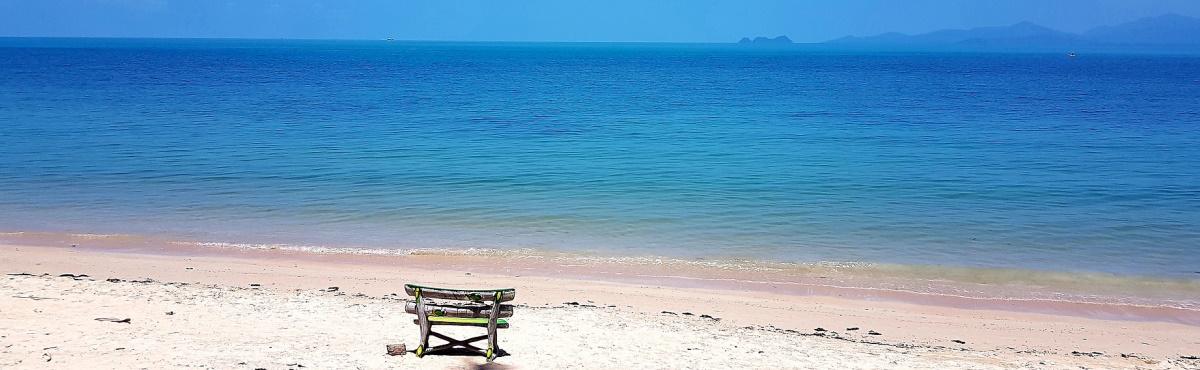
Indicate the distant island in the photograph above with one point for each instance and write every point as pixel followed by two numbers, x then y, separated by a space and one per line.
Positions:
pixel 1165 33
pixel 759 41
pixel 1162 33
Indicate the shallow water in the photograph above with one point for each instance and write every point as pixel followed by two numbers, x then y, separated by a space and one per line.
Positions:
pixel 689 151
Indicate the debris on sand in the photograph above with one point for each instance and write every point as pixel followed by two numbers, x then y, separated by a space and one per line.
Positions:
pixel 396 349
pixel 1089 354
pixel 75 277
pixel 115 320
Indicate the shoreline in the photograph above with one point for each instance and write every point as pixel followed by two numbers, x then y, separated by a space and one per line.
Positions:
pixel 1098 296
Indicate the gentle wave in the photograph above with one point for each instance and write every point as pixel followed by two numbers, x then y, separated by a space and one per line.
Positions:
pixel 866 279
pixel 512 253
pixel 966 283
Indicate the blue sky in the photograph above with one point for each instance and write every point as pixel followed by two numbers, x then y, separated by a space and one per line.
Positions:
pixel 554 20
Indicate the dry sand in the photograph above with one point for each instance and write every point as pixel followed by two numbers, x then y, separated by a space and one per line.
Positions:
pixel 203 312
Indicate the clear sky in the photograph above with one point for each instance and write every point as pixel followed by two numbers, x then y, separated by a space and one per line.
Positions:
pixel 554 20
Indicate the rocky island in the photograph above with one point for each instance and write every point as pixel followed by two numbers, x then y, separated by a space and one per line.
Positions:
pixel 761 41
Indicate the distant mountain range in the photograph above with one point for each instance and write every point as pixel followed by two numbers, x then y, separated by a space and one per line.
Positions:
pixel 1170 29
pixel 1170 32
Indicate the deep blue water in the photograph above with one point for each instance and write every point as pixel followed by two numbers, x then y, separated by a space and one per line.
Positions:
pixel 1031 161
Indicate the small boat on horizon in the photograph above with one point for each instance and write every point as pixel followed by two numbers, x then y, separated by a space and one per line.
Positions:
pixel 1071 54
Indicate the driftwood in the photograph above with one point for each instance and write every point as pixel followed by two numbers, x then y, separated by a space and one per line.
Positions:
pixel 396 349
pixel 36 298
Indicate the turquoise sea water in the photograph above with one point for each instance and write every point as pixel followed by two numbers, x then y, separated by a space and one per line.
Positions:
pixel 693 151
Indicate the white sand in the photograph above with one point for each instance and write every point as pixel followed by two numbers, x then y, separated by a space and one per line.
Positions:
pixel 218 321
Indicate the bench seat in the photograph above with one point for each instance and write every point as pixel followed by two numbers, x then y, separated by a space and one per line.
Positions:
pixel 464 321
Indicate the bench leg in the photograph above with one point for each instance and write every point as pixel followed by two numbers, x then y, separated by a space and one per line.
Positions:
pixel 492 348
pixel 423 347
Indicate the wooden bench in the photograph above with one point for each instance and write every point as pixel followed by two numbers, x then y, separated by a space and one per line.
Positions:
pixel 461 307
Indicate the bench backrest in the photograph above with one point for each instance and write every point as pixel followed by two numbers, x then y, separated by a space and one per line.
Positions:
pixel 469 295
pixel 475 306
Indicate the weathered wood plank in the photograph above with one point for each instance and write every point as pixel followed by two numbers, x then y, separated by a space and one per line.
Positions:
pixel 479 325
pixel 475 295
pixel 492 333
pixel 458 310
pixel 423 321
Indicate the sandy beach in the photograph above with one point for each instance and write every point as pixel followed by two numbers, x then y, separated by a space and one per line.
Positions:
pixel 255 309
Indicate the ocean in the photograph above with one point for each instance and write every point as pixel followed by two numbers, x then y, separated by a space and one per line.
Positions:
pixel 964 160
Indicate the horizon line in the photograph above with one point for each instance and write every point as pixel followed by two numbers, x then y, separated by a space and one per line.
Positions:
pixel 383 40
